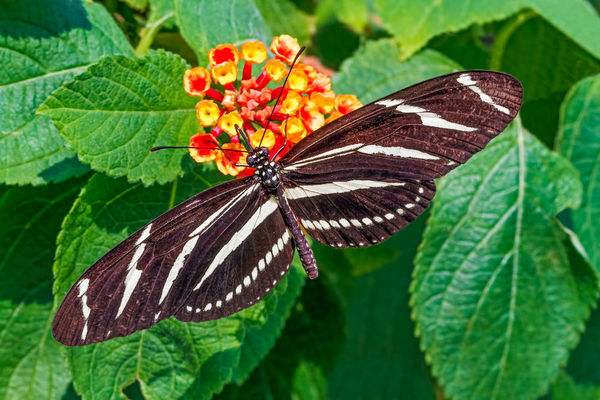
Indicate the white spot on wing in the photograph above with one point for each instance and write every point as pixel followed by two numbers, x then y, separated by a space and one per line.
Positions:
pixel 467 80
pixel 303 191
pixel 238 237
pixel 230 204
pixel 85 309
pixel 389 102
pixel 177 266
pixel 397 151
pixel 145 234
pixel 133 274
pixel 325 156
pixel 432 119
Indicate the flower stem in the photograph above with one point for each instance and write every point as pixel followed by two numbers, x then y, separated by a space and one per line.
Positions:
pixel 148 33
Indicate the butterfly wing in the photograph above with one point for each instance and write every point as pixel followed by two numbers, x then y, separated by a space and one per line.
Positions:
pixel 250 261
pixel 366 175
pixel 150 275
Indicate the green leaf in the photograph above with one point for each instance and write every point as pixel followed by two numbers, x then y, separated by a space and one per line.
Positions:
pixel 579 142
pixel 584 359
pixel 112 115
pixel 297 366
pixel 31 363
pixel 353 13
pixel 377 70
pixel 42 45
pixel 381 356
pixel 206 23
pixel 173 359
pixel 544 87
pixel 498 295
pixel 348 337
pixel 283 17
pixel 414 23
pixel 139 5
pixel 566 389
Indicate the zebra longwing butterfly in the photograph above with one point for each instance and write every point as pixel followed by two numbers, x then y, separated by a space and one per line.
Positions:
pixel 354 182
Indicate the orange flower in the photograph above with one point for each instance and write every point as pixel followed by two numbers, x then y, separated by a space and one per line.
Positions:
pixel 254 51
pixel 223 53
pixel 224 73
pixel 207 112
pixel 345 103
pixel 285 48
pixel 294 129
pixel 204 147
pixel 196 81
pixel 324 101
pixel 229 120
pixel 305 104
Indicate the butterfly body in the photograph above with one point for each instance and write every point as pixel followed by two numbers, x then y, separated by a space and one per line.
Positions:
pixel 353 183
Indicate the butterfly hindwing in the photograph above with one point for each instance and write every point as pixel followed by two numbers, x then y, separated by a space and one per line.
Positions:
pixel 249 271
pixel 147 277
pixel 366 175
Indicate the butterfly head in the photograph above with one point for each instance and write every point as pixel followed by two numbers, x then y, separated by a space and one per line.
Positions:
pixel 258 156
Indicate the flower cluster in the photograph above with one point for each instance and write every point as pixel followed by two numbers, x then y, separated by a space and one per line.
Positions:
pixel 230 97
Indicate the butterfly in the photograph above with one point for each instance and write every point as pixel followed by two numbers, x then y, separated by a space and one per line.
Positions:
pixel 352 183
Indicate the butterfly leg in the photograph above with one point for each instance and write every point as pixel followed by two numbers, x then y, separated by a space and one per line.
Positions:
pixel 307 257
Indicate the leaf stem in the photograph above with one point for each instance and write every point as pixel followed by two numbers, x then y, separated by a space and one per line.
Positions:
pixel 148 33
pixel 504 35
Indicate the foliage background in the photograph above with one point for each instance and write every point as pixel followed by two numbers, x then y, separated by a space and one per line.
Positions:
pixel 490 295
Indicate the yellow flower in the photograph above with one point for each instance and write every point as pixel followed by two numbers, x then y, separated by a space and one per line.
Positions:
pixel 225 72
pixel 229 120
pixel 298 80
pixel 196 81
pixel 254 51
pixel 275 69
pixel 268 141
pixel 207 112
pixel 291 103
pixel 294 129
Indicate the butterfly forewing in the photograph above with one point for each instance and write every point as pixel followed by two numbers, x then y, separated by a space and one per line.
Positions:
pixel 363 177
pixel 148 276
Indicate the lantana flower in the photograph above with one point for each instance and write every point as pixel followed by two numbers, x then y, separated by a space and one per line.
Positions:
pixel 239 89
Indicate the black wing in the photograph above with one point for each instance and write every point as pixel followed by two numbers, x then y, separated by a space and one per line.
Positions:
pixel 150 276
pixel 364 176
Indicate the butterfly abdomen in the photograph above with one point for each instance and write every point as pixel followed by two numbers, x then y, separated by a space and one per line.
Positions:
pixel 305 253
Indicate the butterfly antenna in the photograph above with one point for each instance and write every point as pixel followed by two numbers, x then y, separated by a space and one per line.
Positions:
pixel 157 148
pixel 244 138
pixel 280 93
